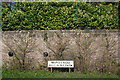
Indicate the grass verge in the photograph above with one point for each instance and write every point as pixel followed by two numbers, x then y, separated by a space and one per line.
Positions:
pixel 46 74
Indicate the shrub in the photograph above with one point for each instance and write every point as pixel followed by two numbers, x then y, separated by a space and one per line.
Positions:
pixel 58 16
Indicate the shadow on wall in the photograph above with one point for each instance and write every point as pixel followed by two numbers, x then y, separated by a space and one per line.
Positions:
pixel 93 51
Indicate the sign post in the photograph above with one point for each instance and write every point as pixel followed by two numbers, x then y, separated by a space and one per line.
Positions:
pixel 69 70
pixel 51 69
pixel 60 64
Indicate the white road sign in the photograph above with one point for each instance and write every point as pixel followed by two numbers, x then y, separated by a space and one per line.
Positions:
pixel 61 64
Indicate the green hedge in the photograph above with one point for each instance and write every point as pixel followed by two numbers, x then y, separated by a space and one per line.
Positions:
pixel 58 16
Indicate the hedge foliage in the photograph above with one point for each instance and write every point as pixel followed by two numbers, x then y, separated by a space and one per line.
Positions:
pixel 58 16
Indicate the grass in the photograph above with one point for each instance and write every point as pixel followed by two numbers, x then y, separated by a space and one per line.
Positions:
pixel 46 74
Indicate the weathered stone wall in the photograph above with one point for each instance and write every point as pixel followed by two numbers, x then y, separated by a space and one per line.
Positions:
pixel 1 48
pixel 97 46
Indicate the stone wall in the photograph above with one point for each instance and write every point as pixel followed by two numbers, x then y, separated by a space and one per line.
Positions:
pixel 1 55
pixel 1 48
pixel 97 47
